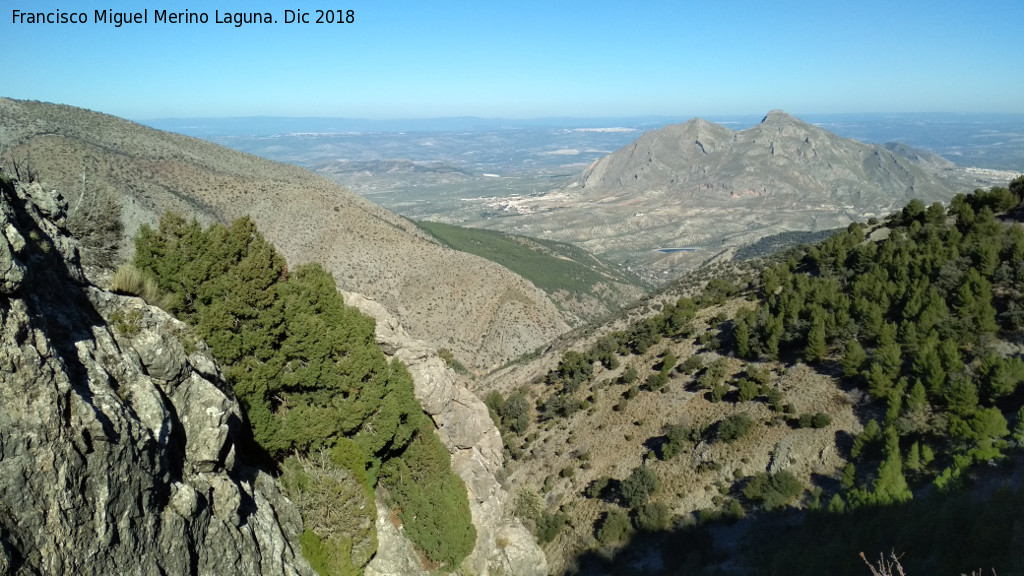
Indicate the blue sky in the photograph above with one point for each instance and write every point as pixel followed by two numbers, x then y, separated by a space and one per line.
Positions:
pixel 527 59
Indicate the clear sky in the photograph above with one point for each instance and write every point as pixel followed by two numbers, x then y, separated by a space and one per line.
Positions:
pixel 522 59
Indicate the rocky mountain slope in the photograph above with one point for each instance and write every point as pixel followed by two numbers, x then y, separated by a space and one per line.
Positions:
pixel 119 445
pixel 118 452
pixel 479 310
pixel 688 193
pixel 687 426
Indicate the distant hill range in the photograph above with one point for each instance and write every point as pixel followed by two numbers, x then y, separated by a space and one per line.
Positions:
pixel 689 193
pixel 481 311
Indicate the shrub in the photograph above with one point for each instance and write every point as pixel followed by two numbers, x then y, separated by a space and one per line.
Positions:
pixel 773 490
pixel 337 509
pixel 656 381
pixel 691 365
pixel 614 527
pixel 774 398
pixel 628 376
pixel 652 517
pixel 641 484
pixel 528 506
pixel 677 436
pixel 452 362
pixel 597 488
pixel 127 324
pixel 511 414
pixel 716 291
pixel 668 361
pixel 95 220
pixel 748 389
pixel 550 525
pixel 734 427
pixel 718 392
pixel 432 500
pixel 709 340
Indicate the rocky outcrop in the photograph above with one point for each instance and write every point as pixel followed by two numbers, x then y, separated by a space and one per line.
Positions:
pixel 118 437
pixel 504 545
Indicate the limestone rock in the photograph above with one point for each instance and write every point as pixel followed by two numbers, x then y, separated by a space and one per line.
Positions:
pixel 504 545
pixel 117 455
pixel 782 458
pixel 162 356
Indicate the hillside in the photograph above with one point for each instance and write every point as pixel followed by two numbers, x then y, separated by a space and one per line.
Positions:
pixel 693 192
pixel 579 283
pixel 292 430
pixel 477 309
pixel 865 393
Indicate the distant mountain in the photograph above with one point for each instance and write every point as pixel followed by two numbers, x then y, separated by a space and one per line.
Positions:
pixel 922 157
pixel 375 167
pixel 479 310
pixel 687 193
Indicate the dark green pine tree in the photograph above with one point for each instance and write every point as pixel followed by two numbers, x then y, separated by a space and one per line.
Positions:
pixel 816 347
pixel 890 484
pixel 854 358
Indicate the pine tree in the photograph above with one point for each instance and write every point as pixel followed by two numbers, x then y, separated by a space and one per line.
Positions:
pixel 853 358
pixel 914 458
pixel 916 410
pixel 890 358
pixel 1018 428
pixel 928 365
pixel 879 381
pixel 961 396
pixel 816 346
pixel 989 429
pixel 772 337
pixel 741 335
pixel 890 485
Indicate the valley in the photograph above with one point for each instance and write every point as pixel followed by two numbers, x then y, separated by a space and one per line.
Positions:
pixel 606 349
pixel 526 179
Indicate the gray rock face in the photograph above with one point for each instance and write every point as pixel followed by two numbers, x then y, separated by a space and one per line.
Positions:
pixel 503 545
pixel 117 448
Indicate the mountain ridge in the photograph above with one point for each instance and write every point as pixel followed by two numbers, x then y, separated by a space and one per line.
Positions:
pixel 479 310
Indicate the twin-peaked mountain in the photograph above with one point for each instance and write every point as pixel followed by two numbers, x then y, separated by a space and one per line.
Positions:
pixel 781 158
pixel 697 190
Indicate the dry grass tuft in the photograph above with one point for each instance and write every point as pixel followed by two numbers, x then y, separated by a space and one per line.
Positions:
pixel 130 280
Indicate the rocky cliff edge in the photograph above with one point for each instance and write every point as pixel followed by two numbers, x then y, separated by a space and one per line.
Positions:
pixel 118 437
pixel 503 545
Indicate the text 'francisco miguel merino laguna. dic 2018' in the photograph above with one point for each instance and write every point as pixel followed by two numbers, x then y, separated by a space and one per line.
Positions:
pixel 118 19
